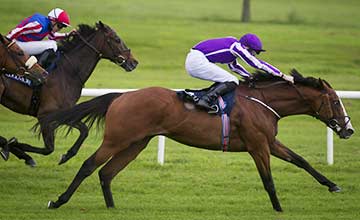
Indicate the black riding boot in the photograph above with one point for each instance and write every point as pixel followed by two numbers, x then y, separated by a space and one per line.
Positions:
pixel 43 59
pixel 213 93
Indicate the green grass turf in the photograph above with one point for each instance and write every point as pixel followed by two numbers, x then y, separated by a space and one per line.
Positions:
pixel 319 38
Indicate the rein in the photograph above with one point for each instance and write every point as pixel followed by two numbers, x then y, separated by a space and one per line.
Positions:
pixel 332 122
pixel 263 104
pixel 100 55
pixel 89 45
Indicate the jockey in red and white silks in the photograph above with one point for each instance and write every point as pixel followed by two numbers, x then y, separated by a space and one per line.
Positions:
pixel 30 32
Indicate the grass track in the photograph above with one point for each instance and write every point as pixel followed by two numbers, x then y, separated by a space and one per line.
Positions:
pixel 319 38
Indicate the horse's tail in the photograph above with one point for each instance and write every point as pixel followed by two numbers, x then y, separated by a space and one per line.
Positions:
pixel 92 111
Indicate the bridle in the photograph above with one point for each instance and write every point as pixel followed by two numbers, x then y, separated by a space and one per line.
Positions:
pixel 333 122
pixel 99 54
pixel 21 69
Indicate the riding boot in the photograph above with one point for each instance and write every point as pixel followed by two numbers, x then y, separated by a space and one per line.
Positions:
pixel 218 90
pixel 39 79
pixel 45 56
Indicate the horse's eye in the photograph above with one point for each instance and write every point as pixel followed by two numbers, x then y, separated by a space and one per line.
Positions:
pixel 336 102
pixel 117 40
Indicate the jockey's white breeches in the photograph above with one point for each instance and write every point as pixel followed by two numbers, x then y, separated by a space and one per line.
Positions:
pixel 198 66
pixel 37 47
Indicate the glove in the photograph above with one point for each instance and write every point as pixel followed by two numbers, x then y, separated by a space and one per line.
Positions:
pixel 288 78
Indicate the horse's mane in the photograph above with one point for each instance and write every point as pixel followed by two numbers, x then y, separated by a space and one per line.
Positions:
pixel 260 76
pixel 71 42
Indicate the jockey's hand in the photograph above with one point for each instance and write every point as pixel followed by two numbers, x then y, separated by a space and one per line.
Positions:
pixel 288 78
pixel 72 32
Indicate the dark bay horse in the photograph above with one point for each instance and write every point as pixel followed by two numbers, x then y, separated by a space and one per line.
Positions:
pixel 79 56
pixel 14 60
pixel 133 118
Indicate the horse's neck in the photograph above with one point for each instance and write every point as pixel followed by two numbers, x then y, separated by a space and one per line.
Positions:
pixel 284 99
pixel 78 64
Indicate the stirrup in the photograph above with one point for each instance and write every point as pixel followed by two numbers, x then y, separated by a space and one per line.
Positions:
pixel 210 108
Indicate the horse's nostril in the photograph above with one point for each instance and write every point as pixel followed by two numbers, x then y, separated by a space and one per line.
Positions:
pixel 350 131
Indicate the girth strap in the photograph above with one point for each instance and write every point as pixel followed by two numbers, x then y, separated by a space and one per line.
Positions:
pixel 35 101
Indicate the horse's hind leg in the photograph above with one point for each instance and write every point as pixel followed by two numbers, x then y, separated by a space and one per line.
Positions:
pixel 10 147
pixel 4 148
pixel 23 156
pixel 48 137
pixel 281 151
pixel 84 131
pixel 115 165
pixel 261 157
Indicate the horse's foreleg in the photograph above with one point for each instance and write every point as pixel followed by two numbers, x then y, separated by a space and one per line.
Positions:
pixel 115 165
pixel 84 131
pixel 281 151
pixel 89 166
pixel 262 161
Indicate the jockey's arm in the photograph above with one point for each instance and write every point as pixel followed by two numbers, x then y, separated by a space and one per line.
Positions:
pixel 31 27
pixel 57 36
pixel 237 68
pixel 251 60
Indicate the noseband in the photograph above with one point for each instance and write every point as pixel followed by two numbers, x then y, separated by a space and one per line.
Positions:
pixel 333 122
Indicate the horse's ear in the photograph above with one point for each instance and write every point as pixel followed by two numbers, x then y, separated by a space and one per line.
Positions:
pixel 321 83
pixel 2 38
pixel 100 24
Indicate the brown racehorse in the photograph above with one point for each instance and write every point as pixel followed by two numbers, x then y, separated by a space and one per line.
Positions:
pixel 132 119
pixel 14 60
pixel 79 55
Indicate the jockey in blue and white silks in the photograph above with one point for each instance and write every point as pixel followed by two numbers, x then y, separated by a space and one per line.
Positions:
pixel 202 58
pixel 30 32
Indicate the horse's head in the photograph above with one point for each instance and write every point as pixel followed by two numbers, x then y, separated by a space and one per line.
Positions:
pixel 115 49
pixel 325 104
pixel 14 60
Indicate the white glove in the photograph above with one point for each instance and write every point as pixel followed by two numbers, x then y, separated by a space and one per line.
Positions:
pixel 288 78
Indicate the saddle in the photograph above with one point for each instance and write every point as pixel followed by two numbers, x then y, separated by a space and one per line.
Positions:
pixel 223 106
pixel 192 96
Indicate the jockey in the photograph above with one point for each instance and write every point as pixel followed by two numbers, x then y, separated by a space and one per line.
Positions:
pixel 30 32
pixel 200 63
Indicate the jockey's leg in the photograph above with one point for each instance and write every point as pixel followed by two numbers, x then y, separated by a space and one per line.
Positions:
pixel 36 48
pixel 198 66
pixel 218 90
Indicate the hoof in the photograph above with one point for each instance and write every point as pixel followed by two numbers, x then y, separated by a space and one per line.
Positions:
pixel 279 209
pixel 12 141
pixel 51 205
pixel 63 159
pixel 4 154
pixel 30 162
pixel 334 189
